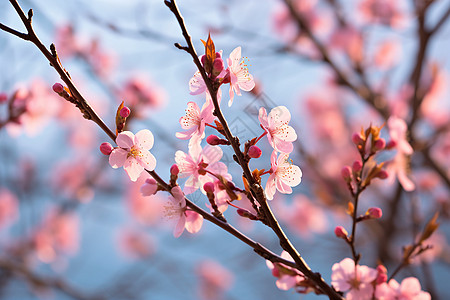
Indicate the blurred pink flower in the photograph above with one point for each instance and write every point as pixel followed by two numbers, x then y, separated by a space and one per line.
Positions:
pixel 58 234
pixel 195 121
pixel 9 207
pixel 214 279
pixel 350 41
pixel 133 153
pixel 145 209
pixel 435 106
pixel 135 243
pixel 409 289
pixel 383 12
pixel 139 92
pixel 387 54
pixel 66 42
pixel 356 281
pixel 284 175
pixel 279 133
pixel 240 78
pixel 196 164
pixel 176 208
pixel 288 277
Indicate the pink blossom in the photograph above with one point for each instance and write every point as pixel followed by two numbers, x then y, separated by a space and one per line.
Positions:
pixel 140 91
pixel 240 78
pixel 435 105
pixel 284 175
pixel 176 208
pixel 197 85
pixel 214 279
pixel 356 281
pixel 409 289
pixel 9 207
pixel 144 206
pixel 195 121
pixel 384 12
pixel 279 133
pixel 387 54
pixel 133 153
pixel 399 166
pixel 135 243
pixel 288 277
pixel 195 164
pixel 149 187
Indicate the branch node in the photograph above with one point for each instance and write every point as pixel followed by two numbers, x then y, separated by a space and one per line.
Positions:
pixel 30 15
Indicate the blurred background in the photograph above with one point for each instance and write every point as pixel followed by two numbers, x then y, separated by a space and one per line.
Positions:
pixel 73 227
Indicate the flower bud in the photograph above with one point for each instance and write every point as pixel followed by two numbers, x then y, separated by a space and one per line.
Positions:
pixel 58 88
pixel 150 187
pixel 106 148
pixel 254 151
pixel 340 232
pixel 246 214
pixel 382 174
pixel 3 97
pixel 374 212
pixel 357 166
pixel 125 112
pixel 174 170
pixel 213 140
pixel 209 187
pixel 357 139
pixel 203 59
pixel 382 274
pixel 346 173
pixel 218 66
pixel 379 144
pixel 391 144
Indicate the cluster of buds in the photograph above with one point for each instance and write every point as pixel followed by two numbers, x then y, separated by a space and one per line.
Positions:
pixel 209 189
pixel 122 114
pixel 212 61
pixel 369 141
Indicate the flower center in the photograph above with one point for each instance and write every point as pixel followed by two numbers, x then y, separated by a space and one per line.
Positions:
pixel 134 152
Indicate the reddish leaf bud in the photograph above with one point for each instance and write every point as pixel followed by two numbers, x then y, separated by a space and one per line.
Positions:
pixel 379 144
pixel 106 148
pixel 58 88
pixel 174 170
pixel 340 232
pixel 357 166
pixel 209 187
pixel 346 173
pixel 254 151
pixel 374 212
pixel 125 112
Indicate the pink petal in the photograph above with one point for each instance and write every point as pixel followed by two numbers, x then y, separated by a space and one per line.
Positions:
pixel 292 175
pixel 125 139
pixel 144 139
pixel 286 282
pixel 283 187
pixel 279 115
pixel 410 286
pixel 270 187
pixel 179 228
pixel 247 83
pixel 147 160
pixel 118 157
pixel 281 146
pixel 133 168
pixel 178 195
pixel 186 134
pixel 235 59
pixel 197 84
pixel 263 117
pixel 194 221
pixel 212 154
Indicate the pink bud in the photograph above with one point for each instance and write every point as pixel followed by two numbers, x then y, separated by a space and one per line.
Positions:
pixel 391 144
pixel 276 272
pixel 357 138
pixel 213 140
pixel 203 59
pixel 346 173
pixel 382 274
pixel 382 174
pixel 124 112
pixel 3 97
pixel 254 152
pixel 106 148
pixel 374 212
pixel 150 187
pixel 340 232
pixel 209 187
pixel 218 66
pixel 58 88
pixel 357 166
pixel 174 170
pixel 379 144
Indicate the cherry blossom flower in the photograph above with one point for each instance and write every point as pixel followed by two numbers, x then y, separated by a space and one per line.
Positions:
pixel 279 133
pixel 240 79
pixel 144 206
pixel 409 289
pixel 140 91
pixel 195 164
pixel 399 166
pixel 356 281
pixel 214 279
pixel 133 153
pixel 284 175
pixel 176 208
pixel 197 85
pixel 382 11
pixel 9 207
pixel 195 121
pixel 135 243
pixel 387 54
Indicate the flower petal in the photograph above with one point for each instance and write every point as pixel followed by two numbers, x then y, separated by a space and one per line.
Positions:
pixel 194 221
pixel 133 168
pixel 144 139
pixel 118 157
pixel 125 139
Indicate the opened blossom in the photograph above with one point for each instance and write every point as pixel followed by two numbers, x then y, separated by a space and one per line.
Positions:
pixel 240 78
pixel 198 165
pixel 356 281
pixel 284 175
pixel 288 277
pixel 279 133
pixel 177 209
pixel 409 289
pixel 133 153
pixel 195 121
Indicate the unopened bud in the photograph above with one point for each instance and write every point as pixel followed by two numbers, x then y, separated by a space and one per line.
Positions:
pixel 357 166
pixel 218 66
pixel 382 274
pixel 58 88
pixel 254 151
pixel 150 187
pixel 382 174
pixel 106 148
pixel 379 144
pixel 340 232
pixel 174 170
pixel 357 139
pixel 3 97
pixel 125 112
pixel 374 212
pixel 346 173
pixel 208 187
pixel 203 59
pixel 391 144
pixel 213 140
pixel 246 214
